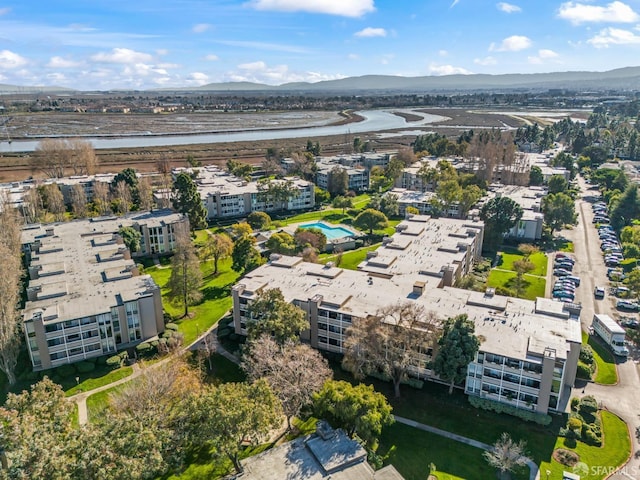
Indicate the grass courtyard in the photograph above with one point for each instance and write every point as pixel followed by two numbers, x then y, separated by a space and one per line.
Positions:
pixel 503 275
pixel 606 372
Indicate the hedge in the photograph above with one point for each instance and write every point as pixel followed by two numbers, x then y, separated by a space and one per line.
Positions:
pixel 171 326
pixel 493 406
pixel 66 370
pixel 115 361
pixel 85 367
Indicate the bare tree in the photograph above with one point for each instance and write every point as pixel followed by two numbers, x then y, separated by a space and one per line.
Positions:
pixel 78 201
pixel 145 192
pixel 53 200
pixel 101 198
pixel 506 455
pixel 397 341
pixel 10 274
pixel 164 168
pixel 32 205
pixel 294 371
pixel 53 156
pixel 82 157
pixel 271 166
pixel 122 197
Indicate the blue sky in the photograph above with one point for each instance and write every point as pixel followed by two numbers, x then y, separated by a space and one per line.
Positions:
pixel 142 44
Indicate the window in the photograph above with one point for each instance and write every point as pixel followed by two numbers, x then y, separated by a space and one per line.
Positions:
pixel 53 328
pixel 73 338
pixel 55 341
pixel 71 323
pixel 322 339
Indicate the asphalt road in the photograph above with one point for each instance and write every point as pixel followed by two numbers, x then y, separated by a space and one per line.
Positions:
pixel 622 399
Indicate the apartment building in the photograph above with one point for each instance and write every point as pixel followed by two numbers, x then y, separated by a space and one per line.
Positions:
pixel 420 263
pixel 227 196
pixel 357 178
pixel 86 297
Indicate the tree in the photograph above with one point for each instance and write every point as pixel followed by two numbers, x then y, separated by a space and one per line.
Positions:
pixel 371 220
pixel 558 210
pixel 241 229
pixel 10 291
pixel 521 267
pixel 145 192
pixel 411 210
pixel 244 256
pixel 53 200
pixel 310 237
pixel 186 278
pixel 469 197
pixel 342 202
pixel 526 249
pixel 389 205
pixel 557 184
pixel 271 166
pixel 129 177
pixel 627 208
pixel 101 198
pixel 186 199
pixel 293 370
pixel 54 156
pixel 218 246
pixel 633 282
pixel 394 168
pixel 281 242
pixel 359 410
pixel 233 415
pixel 240 170
pixel 259 220
pixel 506 455
pixel 338 181
pixel 32 205
pixel 394 342
pixel 449 193
pixel 78 201
pixel 407 156
pixel 458 347
pixel 535 176
pixel 193 161
pixel 500 214
pixel 131 238
pixel 270 314
pixel 122 197
pixel 322 196
pixel 277 191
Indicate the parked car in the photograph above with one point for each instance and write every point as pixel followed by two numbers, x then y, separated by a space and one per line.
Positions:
pixel 599 292
pixel 561 272
pixel 627 305
pixel 628 322
pixel 564 255
pixel 574 279
pixel 564 295
pixel 563 265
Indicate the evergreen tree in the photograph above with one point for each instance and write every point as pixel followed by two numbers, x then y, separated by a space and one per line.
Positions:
pixel 458 348
pixel 186 199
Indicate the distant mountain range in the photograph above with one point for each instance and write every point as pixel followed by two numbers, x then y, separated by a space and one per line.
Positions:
pixel 627 78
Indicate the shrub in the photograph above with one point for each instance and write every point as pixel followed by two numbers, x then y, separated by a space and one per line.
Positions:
pixel 529 416
pixel 354 212
pixel 144 347
pixel 225 332
pixel 115 361
pixel 590 437
pixel 85 367
pixel 65 371
pixel 507 292
pixel 588 404
pixel 575 403
pixel 574 423
pixel 234 337
pixel 167 318
pixel 171 326
pixel 583 371
pixel 102 360
pixel 586 354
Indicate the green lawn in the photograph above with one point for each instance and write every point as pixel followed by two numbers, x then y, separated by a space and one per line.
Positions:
pixel 538 259
pixel 600 460
pixel 91 383
pixel 606 372
pixel 216 301
pixel 534 286
pixel 98 402
pixel 351 259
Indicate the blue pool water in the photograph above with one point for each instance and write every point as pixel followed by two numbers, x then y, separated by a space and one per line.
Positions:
pixel 332 233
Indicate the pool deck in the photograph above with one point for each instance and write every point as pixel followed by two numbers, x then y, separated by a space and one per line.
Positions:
pixel 354 233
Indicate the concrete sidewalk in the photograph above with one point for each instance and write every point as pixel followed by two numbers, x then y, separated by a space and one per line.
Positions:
pixel 534 471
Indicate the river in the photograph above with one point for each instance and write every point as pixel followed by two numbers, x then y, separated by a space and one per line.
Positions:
pixel 374 121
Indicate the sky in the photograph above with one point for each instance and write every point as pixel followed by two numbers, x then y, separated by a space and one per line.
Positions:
pixel 147 44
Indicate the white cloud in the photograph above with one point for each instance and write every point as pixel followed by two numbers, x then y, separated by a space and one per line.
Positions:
pixel 211 57
pixel 543 56
pixel 122 55
pixel 614 36
pixel 508 7
pixel 56 78
pixel 200 28
pixel 59 62
pixel 261 72
pixel 435 69
pixel 443 53
pixel 162 52
pixel 4 11
pixel 514 43
pixel 345 8
pixel 485 61
pixel 197 78
pixel 11 60
pixel 615 12
pixel 371 32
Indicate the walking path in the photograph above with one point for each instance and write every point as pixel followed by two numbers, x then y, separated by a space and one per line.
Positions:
pixel 534 471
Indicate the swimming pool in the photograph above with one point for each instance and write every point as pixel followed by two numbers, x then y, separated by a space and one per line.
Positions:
pixel 332 233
